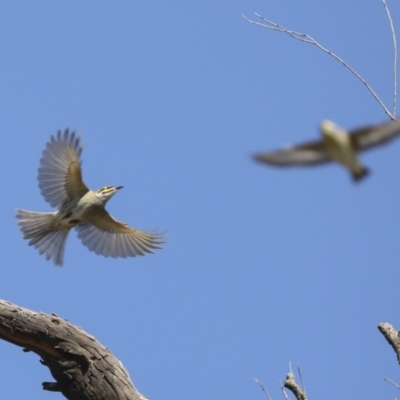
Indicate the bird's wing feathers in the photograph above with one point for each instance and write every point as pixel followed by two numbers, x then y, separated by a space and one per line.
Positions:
pixel 310 153
pixel 370 136
pixel 106 236
pixel 60 173
pixel 74 186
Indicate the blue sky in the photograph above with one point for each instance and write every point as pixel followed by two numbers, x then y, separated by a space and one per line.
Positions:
pixel 263 266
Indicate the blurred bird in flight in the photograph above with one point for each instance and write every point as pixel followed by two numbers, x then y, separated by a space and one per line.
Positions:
pixel 337 145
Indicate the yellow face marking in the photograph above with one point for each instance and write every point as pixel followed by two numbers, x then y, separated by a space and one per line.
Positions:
pixel 107 189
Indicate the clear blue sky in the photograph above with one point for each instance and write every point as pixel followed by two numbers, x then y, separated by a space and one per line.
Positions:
pixel 263 266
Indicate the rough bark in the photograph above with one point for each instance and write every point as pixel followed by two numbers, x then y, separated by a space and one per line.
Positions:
pixel 82 367
pixel 392 336
pixel 290 383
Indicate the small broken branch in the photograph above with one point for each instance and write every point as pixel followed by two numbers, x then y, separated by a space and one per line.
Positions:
pixel 392 336
pixel 82 367
pixel 290 383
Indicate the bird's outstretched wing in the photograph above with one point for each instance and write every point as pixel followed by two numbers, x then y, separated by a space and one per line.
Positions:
pixel 310 153
pixel 106 236
pixel 60 174
pixel 374 135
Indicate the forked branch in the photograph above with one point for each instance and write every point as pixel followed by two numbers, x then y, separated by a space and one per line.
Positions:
pixel 308 39
pixel 290 383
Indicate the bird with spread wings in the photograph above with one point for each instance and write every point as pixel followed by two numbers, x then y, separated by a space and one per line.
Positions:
pixel 337 145
pixel 61 184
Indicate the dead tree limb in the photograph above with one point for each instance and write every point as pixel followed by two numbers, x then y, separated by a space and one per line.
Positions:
pixel 82 367
pixel 290 383
pixel 392 336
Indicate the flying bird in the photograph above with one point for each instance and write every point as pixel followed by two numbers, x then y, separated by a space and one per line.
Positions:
pixel 61 185
pixel 337 145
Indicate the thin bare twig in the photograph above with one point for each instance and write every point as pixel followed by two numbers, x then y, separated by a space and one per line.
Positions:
pixel 301 380
pixel 395 56
pixel 392 382
pixel 308 39
pixel 263 389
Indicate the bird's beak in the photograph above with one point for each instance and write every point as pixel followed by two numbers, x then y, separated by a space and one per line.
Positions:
pixel 118 187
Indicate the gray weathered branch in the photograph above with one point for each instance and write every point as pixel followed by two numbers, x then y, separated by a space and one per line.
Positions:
pixel 392 336
pixel 290 383
pixel 82 367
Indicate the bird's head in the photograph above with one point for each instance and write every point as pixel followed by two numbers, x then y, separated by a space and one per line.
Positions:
pixel 106 192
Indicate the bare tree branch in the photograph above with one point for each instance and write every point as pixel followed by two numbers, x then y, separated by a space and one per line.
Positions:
pixel 290 383
pixel 308 39
pixel 263 389
pixel 82 367
pixel 395 56
pixel 392 382
pixel 392 336
pixel 301 380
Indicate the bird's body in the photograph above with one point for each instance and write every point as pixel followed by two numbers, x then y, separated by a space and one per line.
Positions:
pixel 336 145
pixel 61 184
pixel 339 146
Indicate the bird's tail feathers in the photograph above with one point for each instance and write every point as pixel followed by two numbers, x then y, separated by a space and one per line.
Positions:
pixel 40 230
pixel 360 174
